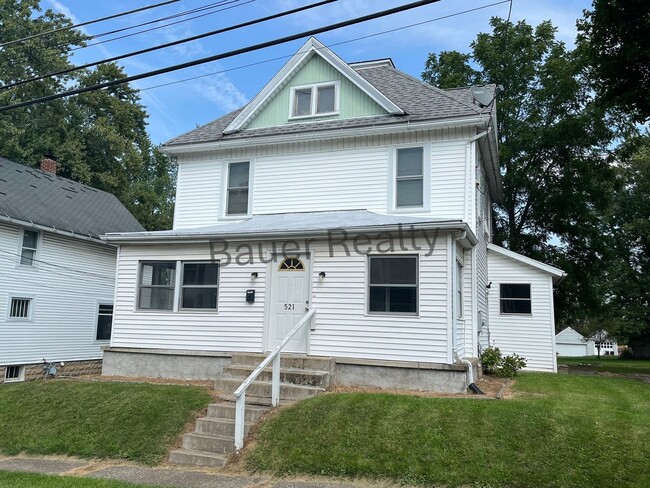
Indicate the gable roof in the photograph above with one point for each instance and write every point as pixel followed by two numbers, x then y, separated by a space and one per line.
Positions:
pixel 570 336
pixel 557 274
pixel 31 196
pixel 312 47
pixel 415 100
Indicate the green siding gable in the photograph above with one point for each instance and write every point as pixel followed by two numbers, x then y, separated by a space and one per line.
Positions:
pixel 353 101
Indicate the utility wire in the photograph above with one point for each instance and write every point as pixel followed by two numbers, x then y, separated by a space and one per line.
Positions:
pixel 286 56
pixel 170 44
pixel 114 16
pixel 229 54
pixel 65 268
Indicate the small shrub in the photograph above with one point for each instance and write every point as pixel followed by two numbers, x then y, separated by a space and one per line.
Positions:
pixel 495 363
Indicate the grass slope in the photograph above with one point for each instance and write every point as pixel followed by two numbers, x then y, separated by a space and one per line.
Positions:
pixel 610 364
pixel 561 431
pixel 96 419
pixel 28 480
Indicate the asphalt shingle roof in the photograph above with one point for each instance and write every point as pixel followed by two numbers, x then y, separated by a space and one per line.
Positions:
pixel 31 195
pixel 419 100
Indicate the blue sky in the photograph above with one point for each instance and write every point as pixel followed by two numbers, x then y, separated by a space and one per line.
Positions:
pixel 180 107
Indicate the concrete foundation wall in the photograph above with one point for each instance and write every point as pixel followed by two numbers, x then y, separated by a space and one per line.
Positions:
pixel 161 363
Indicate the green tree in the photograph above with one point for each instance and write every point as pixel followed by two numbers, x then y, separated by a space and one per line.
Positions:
pixel 553 154
pixel 613 38
pixel 99 137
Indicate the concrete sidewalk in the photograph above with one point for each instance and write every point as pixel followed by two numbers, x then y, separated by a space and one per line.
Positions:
pixel 168 476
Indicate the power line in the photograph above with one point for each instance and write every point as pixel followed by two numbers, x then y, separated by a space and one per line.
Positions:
pixel 286 56
pixel 229 54
pixel 114 16
pixel 66 268
pixel 173 43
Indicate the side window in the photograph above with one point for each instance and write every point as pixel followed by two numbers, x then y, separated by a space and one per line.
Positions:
pixel 314 100
pixel 237 191
pixel 29 247
pixel 156 287
pixel 104 322
pixel 393 284
pixel 200 286
pixel 409 177
pixel 514 298
pixel 459 290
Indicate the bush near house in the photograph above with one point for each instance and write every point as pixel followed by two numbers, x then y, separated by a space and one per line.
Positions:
pixel 495 363
pixel 134 421
pixel 559 431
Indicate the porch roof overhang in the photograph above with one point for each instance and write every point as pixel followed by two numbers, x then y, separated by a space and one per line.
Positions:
pixel 287 225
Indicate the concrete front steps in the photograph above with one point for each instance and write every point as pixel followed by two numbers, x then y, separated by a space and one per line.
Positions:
pixel 213 440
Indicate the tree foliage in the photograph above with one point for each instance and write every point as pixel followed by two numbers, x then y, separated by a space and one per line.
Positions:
pixel 98 137
pixel 613 39
pixel 553 146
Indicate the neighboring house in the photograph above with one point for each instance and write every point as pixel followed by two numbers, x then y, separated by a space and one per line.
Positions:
pixel 58 277
pixel 352 189
pixel 569 342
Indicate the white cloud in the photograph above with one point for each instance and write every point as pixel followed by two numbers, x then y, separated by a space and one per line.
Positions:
pixel 220 90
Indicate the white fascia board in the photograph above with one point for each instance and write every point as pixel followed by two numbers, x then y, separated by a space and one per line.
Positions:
pixel 311 47
pixel 528 261
pixel 53 230
pixel 196 237
pixel 398 127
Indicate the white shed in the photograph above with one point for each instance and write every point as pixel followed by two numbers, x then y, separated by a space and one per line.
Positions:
pixel 520 299
pixel 570 342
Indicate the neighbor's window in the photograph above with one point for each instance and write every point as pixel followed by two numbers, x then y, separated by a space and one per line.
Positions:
pixel 20 308
pixel 393 284
pixel 104 322
pixel 157 281
pixel 200 286
pixel 314 100
pixel 409 183
pixel 29 247
pixel 237 192
pixel 14 373
pixel 515 298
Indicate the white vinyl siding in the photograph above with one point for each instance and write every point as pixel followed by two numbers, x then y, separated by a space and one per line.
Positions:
pixel 531 336
pixel 342 174
pixel 342 328
pixel 65 286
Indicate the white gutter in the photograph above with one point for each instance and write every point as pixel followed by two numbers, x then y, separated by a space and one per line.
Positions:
pixel 53 230
pixel 322 134
pixel 197 237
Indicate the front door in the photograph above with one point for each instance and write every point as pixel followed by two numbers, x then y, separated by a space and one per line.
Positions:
pixel 289 302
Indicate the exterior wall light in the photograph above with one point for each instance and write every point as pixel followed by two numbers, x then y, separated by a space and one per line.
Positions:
pixel 321 275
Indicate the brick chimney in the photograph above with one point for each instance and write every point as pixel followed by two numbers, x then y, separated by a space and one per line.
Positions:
pixel 48 164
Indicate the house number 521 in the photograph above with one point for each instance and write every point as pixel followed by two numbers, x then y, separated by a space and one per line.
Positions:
pixel 289 306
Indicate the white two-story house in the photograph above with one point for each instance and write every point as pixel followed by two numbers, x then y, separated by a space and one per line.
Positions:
pixel 355 190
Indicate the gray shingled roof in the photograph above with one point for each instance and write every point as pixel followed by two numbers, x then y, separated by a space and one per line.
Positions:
pixel 31 195
pixel 419 100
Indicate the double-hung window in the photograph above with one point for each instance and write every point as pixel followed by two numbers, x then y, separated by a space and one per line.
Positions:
pixel 515 298
pixel 409 177
pixel 237 192
pixel 29 247
pixel 156 287
pixel 393 285
pixel 200 286
pixel 104 322
pixel 314 100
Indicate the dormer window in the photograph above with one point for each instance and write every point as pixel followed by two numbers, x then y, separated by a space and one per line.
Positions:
pixel 314 100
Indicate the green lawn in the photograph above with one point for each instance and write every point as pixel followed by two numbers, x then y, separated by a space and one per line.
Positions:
pixel 611 364
pixel 139 422
pixel 28 480
pixel 559 431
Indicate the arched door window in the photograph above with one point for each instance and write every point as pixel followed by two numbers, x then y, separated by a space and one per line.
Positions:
pixel 291 264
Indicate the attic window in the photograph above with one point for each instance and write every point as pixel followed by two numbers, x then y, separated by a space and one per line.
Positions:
pixel 314 100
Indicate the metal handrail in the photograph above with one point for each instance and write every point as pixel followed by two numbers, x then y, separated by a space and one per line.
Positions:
pixel 240 393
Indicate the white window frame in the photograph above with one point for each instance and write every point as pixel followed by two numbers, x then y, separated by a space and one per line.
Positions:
pixel 181 286
pixel 225 175
pixel 459 291
pixel 99 304
pixel 525 314
pixel 30 308
pixel 314 99
pixel 21 374
pixel 368 312
pixel 426 179
pixel 37 251
pixel 138 284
